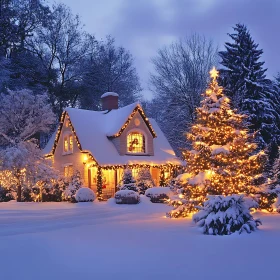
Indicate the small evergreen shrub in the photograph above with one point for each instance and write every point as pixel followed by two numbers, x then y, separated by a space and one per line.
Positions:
pixel 5 194
pixel 224 215
pixel 127 197
pixel 75 183
pixel 144 180
pixel 127 181
pixel 84 195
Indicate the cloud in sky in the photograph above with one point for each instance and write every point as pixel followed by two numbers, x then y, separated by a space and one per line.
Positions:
pixel 143 26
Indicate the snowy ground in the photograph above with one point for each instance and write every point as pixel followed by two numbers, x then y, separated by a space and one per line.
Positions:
pixel 107 241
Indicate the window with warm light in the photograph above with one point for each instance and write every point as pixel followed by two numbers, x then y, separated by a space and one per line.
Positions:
pixel 135 143
pixel 71 143
pixel 68 144
pixel 65 145
pixel 68 171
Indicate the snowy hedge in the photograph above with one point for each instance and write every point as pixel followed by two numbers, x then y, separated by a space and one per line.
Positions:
pixel 127 197
pixel 222 215
pixel 158 194
pixel 84 195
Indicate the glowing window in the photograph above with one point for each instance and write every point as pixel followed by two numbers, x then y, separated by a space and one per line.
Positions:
pixel 135 142
pixel 71 143
pixel 65 145
pixel 68 171
pixel 68 144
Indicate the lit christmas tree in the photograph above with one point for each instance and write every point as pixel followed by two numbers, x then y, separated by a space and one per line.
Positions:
pixel 222 160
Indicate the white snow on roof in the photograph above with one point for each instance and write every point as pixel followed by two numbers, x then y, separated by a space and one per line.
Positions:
pixel 94 127
pixel 109 94
pixel 48 148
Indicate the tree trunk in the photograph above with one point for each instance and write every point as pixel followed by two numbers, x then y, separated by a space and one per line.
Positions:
pixel 17 175
pixel 19 193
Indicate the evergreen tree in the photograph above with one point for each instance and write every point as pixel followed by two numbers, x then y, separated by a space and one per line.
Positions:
pixel 245 83
pixel 221 160
pixel 225 215
pixel 74 184
pixel 127 181
pixel 144 180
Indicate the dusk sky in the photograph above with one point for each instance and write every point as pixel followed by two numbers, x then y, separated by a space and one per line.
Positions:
pixel 143 26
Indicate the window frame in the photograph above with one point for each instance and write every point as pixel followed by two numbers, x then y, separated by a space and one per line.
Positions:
pixel 139 131
pixel 66 170
pixel 70 144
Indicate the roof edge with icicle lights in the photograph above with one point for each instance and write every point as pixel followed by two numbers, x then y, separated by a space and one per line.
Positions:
pixel 57 136
pixel 139 109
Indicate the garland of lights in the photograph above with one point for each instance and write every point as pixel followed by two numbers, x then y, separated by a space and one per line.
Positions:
pixel 142 114
pixel 99 183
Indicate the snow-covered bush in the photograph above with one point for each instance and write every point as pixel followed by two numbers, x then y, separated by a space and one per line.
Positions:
pixel 127 197
pixel 75 183
pixel 224 215
pixel 23 114
pixel 5 194
pixel 144 180
pixel 127 181
pixel 52 191
pixel 84 195
pixel 158 194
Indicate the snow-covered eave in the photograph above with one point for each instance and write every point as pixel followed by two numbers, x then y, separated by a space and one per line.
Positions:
pixel 139 109
pixel 58 132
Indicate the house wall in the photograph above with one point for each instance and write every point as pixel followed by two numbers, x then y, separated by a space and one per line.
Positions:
pixel 121 141
pixel 76 158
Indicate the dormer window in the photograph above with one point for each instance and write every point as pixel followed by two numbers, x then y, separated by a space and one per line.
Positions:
pixel 136 143
pixel 68 144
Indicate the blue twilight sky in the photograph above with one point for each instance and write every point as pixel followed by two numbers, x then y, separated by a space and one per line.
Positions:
pixel 142 26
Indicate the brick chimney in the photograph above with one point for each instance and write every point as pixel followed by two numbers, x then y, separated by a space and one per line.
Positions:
pixel 109 101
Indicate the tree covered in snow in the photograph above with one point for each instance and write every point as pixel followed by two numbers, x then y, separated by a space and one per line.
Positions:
pixel 221 161
pixel 75 184
pixel 225 215
pixel 127 181
pixel 246 84
pixel 144 180
pixel 180 76
pixel 22 116
pixel 271 191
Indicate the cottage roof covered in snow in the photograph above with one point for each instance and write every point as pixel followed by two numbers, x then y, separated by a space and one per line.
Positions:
pixel 94 130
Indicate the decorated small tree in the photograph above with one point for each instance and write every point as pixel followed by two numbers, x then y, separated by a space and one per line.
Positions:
pixel 223 159
pixel 127 181
pixel 144 180
pixel 74 184
pixel 222 215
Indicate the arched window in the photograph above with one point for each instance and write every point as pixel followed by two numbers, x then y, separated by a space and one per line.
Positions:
pixel 135 143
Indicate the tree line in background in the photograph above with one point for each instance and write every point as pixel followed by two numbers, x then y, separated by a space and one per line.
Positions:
pixel 180 78
pixel 45 49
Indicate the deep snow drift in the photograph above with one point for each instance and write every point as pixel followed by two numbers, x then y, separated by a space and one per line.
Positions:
pixel 102 240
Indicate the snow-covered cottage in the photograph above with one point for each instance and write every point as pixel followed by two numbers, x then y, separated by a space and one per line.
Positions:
pixel 101 144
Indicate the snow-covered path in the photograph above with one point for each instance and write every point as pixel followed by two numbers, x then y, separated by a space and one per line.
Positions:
pixel 107 241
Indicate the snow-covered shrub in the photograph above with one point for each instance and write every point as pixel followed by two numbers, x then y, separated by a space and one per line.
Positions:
pixel 158 194
pixel 75 183
pixel 127 197
pixel 5 194
pixel 52 191
pixel 224 215
pixel 127 182
pixel 84 195
pixel 144 180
